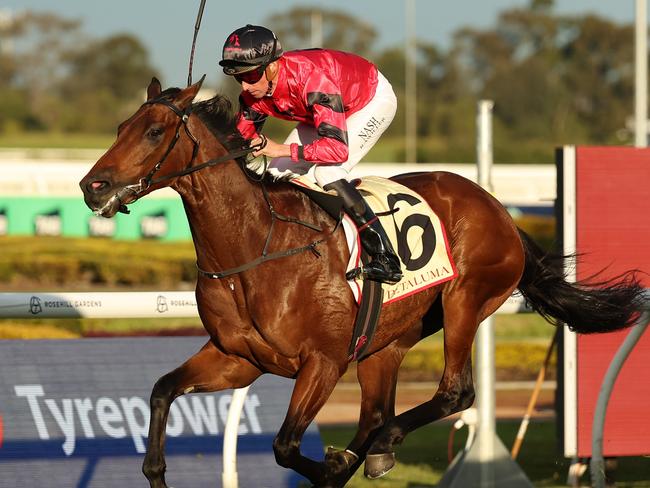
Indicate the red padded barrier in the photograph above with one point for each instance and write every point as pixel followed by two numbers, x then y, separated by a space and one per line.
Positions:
pixel 613 232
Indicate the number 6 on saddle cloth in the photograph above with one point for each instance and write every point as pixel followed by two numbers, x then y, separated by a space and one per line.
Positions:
pixel 416 233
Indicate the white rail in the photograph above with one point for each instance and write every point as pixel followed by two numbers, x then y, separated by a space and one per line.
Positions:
pixel 114 305
pixel 514 184
pixel 119 305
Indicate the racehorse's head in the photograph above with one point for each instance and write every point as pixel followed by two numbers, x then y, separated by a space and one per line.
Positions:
pixel 148 147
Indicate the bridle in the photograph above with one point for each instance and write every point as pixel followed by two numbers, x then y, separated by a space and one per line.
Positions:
pixel 136 190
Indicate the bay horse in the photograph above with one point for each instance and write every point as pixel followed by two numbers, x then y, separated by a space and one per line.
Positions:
pixel 293 316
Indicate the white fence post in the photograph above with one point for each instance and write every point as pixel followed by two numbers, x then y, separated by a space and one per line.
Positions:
pixel 229 476
pixel 485 364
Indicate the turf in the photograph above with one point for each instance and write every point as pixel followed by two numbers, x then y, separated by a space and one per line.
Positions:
pixel 422 459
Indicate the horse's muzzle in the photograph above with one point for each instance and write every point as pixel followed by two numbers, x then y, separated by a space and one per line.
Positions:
pixel 105 199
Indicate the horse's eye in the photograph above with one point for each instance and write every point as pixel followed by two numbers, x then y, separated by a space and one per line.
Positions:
pixel 154 133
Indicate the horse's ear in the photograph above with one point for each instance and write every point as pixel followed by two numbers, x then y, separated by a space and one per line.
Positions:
pixel 186 95
pixel 154 89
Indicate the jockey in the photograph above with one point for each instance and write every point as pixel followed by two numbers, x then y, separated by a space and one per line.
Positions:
pixel 342 104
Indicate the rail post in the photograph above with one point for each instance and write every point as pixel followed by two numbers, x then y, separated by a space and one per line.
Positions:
pixel 597 464
pixel 229 477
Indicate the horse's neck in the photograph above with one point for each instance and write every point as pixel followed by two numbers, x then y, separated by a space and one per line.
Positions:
pixel 225 211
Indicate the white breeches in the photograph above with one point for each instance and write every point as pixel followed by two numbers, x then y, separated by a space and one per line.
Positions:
pixel 364 129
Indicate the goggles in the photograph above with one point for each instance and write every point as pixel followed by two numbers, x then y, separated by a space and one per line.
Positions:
pixel 250 77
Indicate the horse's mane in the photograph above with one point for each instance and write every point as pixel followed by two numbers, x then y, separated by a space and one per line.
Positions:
pixel 218 116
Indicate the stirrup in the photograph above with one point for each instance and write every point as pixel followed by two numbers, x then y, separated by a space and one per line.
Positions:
pixel 367 273
pixel 382 277
pixel 353 274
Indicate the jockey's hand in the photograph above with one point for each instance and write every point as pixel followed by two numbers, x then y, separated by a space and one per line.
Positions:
pixel 272 149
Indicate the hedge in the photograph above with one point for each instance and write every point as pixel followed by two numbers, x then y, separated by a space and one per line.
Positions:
pixel 81 263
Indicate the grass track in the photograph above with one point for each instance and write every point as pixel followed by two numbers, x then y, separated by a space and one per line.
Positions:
pixel 422 459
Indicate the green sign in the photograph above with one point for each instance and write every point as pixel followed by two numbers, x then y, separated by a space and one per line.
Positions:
pixel 162 218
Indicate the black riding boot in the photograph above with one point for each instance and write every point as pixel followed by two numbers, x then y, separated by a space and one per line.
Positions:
pixel 384 265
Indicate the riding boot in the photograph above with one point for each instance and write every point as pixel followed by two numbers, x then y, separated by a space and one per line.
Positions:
pixel 384 265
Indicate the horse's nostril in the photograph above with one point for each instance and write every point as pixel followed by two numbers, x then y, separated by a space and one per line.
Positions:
pixel 97 186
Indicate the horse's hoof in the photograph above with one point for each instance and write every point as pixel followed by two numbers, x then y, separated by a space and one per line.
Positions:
pixel 338 461
pixel 377 465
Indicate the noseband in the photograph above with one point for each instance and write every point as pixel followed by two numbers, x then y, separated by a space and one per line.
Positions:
pixel 137 189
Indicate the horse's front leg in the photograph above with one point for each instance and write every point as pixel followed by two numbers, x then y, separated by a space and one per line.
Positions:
pixel 314 384
pixel 208 370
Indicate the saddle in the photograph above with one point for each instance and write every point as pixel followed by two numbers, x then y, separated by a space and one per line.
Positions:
pixel 415 232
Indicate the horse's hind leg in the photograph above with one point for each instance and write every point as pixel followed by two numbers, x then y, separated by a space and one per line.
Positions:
pixel 489 270
pixel 377 375
pixel 208 370
pixel 455 391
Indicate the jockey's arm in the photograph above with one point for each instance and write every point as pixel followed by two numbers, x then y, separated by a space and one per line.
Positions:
pixel 324 97
pixel 332 145
pixel 249 121
pixel 249 125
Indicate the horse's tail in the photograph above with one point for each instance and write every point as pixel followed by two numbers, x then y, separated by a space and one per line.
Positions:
pixel 586 308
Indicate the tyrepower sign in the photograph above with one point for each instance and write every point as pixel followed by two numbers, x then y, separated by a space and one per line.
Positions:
pixel 75 413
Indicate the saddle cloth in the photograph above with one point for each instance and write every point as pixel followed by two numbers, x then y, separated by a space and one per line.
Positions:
pixel 413 228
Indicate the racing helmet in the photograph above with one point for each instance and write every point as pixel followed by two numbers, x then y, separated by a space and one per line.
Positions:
pixel 248 48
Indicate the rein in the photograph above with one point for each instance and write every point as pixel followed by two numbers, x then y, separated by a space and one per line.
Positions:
pixel 137 189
